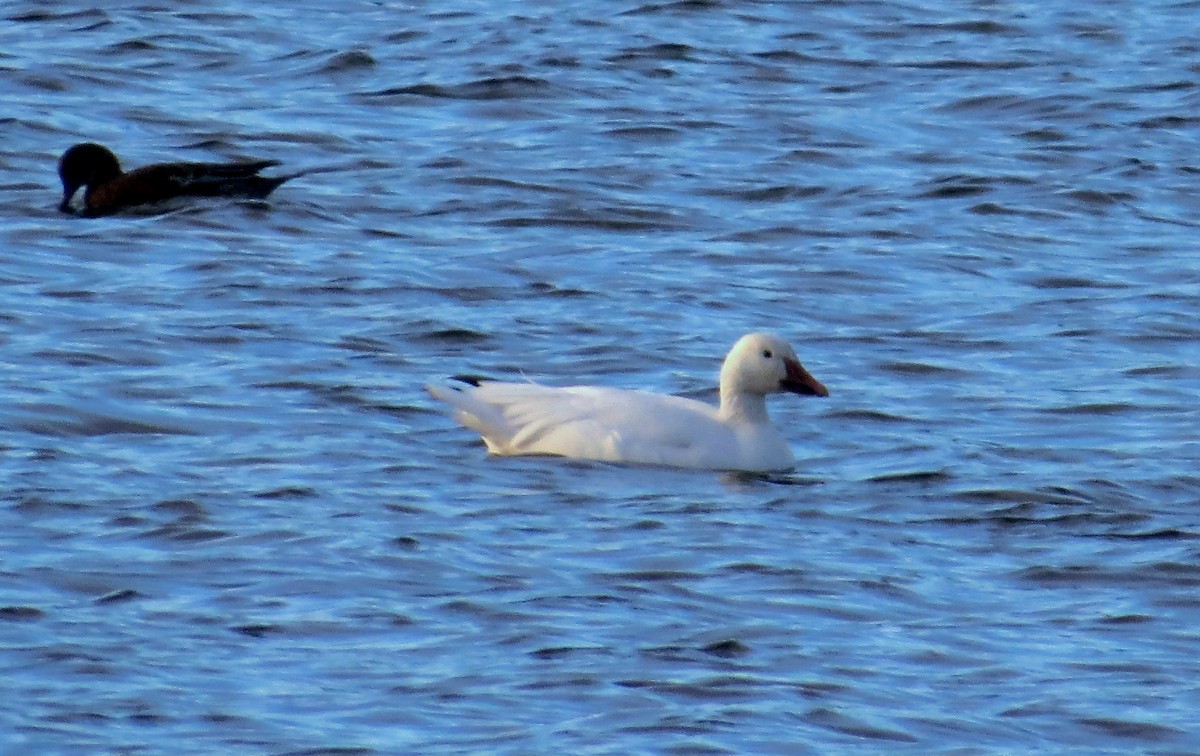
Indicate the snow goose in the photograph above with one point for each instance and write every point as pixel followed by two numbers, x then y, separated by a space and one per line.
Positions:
pixel 638 427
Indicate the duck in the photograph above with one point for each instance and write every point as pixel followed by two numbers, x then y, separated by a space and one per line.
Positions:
pixel 637 427
pixel 108 189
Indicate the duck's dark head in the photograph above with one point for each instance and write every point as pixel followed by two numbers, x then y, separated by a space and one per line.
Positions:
pixel 85 164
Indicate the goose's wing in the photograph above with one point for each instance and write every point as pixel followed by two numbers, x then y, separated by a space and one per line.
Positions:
pixel 587 422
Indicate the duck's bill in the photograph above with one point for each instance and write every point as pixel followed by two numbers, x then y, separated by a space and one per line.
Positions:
pixel 799 381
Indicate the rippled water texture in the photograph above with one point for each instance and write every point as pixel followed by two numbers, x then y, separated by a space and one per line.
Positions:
pixel 231 521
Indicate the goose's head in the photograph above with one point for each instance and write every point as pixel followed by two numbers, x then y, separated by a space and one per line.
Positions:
pixel 761 364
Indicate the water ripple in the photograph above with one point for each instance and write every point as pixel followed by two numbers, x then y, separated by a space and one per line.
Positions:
pixel 231 516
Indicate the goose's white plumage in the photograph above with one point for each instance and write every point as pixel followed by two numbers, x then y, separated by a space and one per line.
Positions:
pixel 618 425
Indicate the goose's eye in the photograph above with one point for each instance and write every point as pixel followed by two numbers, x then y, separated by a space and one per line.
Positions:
pixel 767 354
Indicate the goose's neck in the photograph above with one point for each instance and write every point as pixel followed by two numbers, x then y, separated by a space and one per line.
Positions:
pixel 740 407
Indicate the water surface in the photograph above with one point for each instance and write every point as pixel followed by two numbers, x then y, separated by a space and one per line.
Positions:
pixel 232 521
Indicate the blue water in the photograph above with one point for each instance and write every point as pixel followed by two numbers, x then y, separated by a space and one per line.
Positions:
pixel 232 522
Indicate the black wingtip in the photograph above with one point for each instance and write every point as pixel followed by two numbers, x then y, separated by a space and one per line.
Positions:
pixel 470 380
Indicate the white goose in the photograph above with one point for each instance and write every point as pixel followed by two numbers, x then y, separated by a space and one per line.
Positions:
pixel 638 427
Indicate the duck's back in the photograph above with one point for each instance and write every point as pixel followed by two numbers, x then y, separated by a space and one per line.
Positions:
pixel 612 425
pixel 167 181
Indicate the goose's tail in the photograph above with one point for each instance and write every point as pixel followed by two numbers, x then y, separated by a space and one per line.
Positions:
pixel 485 419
